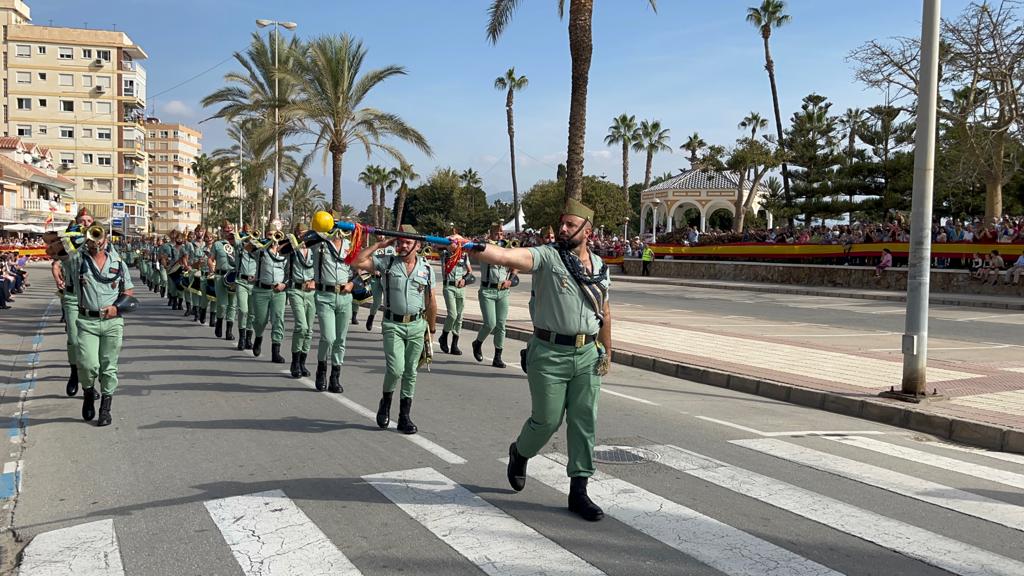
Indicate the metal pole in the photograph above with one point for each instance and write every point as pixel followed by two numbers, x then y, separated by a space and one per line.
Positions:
pixel 241 194
pixel 277 124
pixel 915 340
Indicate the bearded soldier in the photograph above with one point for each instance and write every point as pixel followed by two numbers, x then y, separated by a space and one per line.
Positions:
pixel 454 300
pixel 268 299
pixel 333 280
pixel 245 267
pixel 301 299
pixel 495 284
pixel 224 263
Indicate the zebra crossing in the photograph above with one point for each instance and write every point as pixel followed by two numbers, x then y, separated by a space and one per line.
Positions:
pixel 269 534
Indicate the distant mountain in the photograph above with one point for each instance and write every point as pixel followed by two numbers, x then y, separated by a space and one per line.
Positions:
pixel 505 197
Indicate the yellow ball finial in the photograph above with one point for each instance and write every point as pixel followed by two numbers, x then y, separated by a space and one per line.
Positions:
pixel 323 222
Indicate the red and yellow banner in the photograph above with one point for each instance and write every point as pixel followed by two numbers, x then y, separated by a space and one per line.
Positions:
pixel 757 250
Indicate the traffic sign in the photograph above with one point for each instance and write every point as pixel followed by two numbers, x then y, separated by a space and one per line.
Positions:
pixel 117 209
pixel 117 222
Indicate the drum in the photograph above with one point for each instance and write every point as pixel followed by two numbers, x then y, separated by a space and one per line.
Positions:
pixel 361 288
pixel 211 287
pixel 470 279
pixel 229 281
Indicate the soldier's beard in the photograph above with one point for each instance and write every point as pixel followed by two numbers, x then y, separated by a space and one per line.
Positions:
pixel 569 242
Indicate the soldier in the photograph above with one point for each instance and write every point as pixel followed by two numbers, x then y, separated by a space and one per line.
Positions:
pixel 210 280
pixel 65 276
pixel 224 262
pixel 570 350
pixel 333 279
pixel 183 259
pixel 268 299
pixel 301 299
pixel 495 284
pixel 198 260
pixel 410 310
pixel 454 300
pixel 102 278
pixel 377 288
pixel 245 267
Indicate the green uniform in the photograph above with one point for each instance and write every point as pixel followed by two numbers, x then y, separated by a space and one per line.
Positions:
pixel 333 309
pixel 170 252
pixel 224 256
pixel 245 266
pixel 455 296
pixel 197 260
pixel 376 285
pixel 405 300
pixel 563 378
pixel 69 302
pixel 298 272
pixel 493 303
pixel 268 305
pixel 99 340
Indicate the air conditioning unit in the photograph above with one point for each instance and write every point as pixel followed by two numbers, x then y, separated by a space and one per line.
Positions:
pixel 97 62
pixel 100 90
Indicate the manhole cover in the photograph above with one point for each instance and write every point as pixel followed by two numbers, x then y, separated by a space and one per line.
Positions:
pixel 624 455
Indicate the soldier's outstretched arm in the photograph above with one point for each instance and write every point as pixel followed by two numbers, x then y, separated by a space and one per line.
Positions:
pixel 518 258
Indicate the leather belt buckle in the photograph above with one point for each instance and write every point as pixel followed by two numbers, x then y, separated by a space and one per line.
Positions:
pixel 581 340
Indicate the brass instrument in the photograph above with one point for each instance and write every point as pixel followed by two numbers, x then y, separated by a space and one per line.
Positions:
pixel 514 243
pixel 277 236
pixel 95 234
pixel 427 251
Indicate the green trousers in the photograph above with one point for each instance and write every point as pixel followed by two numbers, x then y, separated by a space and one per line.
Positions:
pixel 377 289
pixel 403 344
pixel 454 303
pixel 198 298
pixel 162 278
pixel 303 308
pixel 70 305
pixel 494 310
pixel 334 312
pixel 172 288
pixel 563 385
pixel 268 306
pixel 99 345
pixel 226 306
pixel 243 297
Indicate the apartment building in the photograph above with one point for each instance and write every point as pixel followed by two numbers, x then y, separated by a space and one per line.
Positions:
pixel 174 193
pixel 82 94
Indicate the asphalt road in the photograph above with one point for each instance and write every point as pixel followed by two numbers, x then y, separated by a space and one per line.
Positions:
pixel 198 427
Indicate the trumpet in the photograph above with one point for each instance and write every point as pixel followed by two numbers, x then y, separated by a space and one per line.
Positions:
pixel 514 243
pixel 277 236
pixel 427 251
pixel 95 234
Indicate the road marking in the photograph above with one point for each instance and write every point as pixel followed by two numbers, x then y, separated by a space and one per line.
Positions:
pixel 1007 456
pixel 888 311
pixel 794 325
pixel 270 536
pixel 1020 370
pixel 845 335
pixel 792 433
pixel 495 542
pixel 720 546
pixel 951 464
pixel 944 348
pixel 910 486
pixel 84 550
pixel 429 446
pixel 604 389
pixel 900 537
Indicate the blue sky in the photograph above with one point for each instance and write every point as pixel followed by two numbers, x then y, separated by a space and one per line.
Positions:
pixel 696 65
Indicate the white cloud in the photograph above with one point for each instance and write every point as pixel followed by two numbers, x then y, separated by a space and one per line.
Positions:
pixel 600 154
pixel 177 108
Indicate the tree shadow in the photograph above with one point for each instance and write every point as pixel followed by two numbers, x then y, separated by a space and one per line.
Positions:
pixel 287 424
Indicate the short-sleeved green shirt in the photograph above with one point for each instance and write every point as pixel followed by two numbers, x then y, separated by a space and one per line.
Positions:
pixel 70 279
pixel 99 287
pixel 167 250
pixel 404 293
pixel 245 262
pixel 461 267
pixel 491 274
pixel 224 254
pixel 300 266
pixel 557 303
pixel 329 264
pixel 269 267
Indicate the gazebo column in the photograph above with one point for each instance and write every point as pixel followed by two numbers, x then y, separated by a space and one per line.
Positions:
pixel 770 219
pixel 668 218
pixel 643 219
pixel 703 220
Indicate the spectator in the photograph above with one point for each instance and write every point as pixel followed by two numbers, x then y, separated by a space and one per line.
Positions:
pixel 885 263
pixel 1015 270
pixel 977 264
pixel 648 257
pixel 995 266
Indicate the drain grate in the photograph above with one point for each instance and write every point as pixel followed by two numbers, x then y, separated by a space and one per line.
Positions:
pixel 624 455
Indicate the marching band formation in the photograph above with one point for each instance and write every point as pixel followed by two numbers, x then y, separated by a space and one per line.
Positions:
pixel 324 275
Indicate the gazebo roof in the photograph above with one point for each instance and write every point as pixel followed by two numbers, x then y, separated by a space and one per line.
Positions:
pixel 697 179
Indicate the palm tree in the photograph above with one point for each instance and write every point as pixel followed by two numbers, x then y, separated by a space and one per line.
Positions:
pixel 470 178
pixel 653 139
pixel 854 123
pixel 623 131
pixel 375 177
pixel 512 84
pixel 694 144
pixel 404 174
pixel 333 92
pixel 203 169
pixel 770 15
pixel 250 93
pixel 754 122
pixel 581 46
pixel 302 199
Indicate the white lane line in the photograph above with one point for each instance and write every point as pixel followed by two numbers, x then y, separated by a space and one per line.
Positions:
pixel 951 464
pixel 732 425
pixel 710 541
pixel 918 488
pixel 889 311
pixel 270 536
pixel 495 542
pixel 429 446
pixel 841 335
pixel 944 348
pixel 83 550
pixel 794 325
pixel 605 390
pixel 1020 370
pixel 931 548
pixel 1007 456
pixel 794 432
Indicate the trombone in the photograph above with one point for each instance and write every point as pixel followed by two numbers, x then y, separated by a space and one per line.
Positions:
pixel 95 234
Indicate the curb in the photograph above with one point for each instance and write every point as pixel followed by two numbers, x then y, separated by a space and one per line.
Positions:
pixel 956 429
pixel 940 299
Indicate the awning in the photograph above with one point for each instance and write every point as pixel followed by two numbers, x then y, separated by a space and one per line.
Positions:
pixel 24 228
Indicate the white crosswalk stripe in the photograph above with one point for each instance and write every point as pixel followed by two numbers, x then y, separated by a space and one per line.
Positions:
pixel 921 457
pixel 270 536
pixel 497 543
pixel 925 490
pixel 928 547
pixel 714 543
pixel 84 550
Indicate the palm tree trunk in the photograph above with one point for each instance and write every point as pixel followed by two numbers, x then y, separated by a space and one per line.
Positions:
pixel 401 204
pixel 625 169
pixel 512 155
pixel 769 65
pixel 336 179
pixel 647 172
pixel 374 210
pixel 581 47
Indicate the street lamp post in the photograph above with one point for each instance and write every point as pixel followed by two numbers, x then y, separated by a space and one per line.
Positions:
pixel 625 230
pixel 277 107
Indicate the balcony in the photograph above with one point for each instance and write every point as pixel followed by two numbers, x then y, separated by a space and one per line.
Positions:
pixel 11 214
pixel 129 66
pixel 41 205
pixel 134 170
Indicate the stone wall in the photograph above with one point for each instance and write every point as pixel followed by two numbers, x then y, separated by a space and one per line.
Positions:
pixel 858 277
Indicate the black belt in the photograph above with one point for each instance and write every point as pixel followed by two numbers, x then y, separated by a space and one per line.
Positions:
pixel 332 288
pixel 69 290
pixel 249 279
pixel 491 285
pixel 401 319
pixel 577 341
pixel 298 286
pixel 452 283
pixel 266 286
pixel 93 314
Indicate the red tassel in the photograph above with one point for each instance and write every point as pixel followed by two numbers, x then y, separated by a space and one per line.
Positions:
pixel 356 244
pixel 453 260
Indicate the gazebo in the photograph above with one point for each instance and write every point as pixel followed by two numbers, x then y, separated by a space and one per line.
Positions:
pixel 704 191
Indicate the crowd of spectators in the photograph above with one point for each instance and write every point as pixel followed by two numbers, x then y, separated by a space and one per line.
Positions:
pixel 12 277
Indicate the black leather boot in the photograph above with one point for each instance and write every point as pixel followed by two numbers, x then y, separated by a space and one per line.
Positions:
pixel 497 363
pixel 321 376
pixel 89 404
pixel 213 317
pixel 163 289
pixel 188 307
pixel 384 410
pixel 443 341
pixel 369 322
pixel 230 335
pixel 334 385
pixel 104 419
pixel 195 313
pixel 72 387
pixel 172 302
pixel 275 353
pixel 241 339
pixel 355 314
pixel 405 425
pixel 202 315
pixel 218 329
pixel 248 339
pixel 516 470
pixel 302 364
pixel 257 344
pixel 456 351
pixel 294 369
pixel 580 503
pixel 478 352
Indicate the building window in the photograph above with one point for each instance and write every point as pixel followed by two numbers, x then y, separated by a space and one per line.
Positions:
pixel 87 53
pixel 24 103
pixel 42 76
pixel 103 133
pixel 24 130
pixel 42 129
pixel 164 134
pixel 67 105
pixel 103 55
pixel 86 81
pixel 103 184
pixel 66 79
pixel 86 158
pixel 67 159
pixel 103 159
pixel 67 132
pixel 103 107
pixel 86 106
pixel 41 49
pixel 129 87
pixel 23 77
pixel 65 53
pixel 103 81
pixel 86 132
pixel 23 51
pixel 88 184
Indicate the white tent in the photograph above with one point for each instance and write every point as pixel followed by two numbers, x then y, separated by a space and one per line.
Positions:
pixel 510 226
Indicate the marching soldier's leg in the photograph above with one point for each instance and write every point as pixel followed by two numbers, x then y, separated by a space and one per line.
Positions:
pixel 460 306
pixel 487 298
pixel 243 291
pixel 309 310
pixel 549 370
pixel 229 312
pixel 70 307
pixel 450 293
pixel 297 304
pixel 277 302
pixel 500 316
pixel 342 320
pixel 325 313
pixel 581 427
pixel 377 290
pixel 88 363
pixel 251 320
pixel 110 351
pixel 221 305
pixel 163 282
pixel 394 365
pixel 413 336
pixel 261 313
